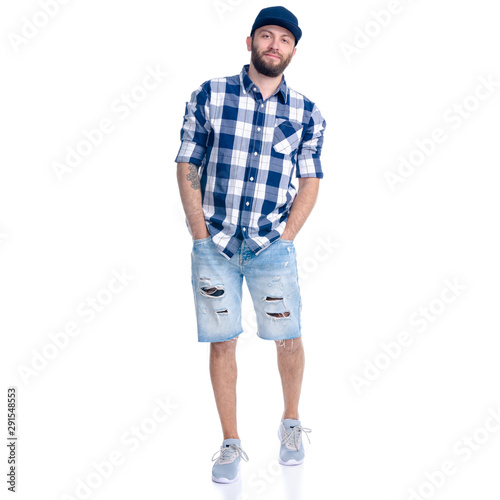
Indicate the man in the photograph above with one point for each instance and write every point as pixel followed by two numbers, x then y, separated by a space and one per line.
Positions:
pixel 242 139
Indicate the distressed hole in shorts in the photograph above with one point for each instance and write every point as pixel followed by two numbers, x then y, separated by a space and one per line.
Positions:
pixel 212 292
pixel 272 299
pixel 285 314
pixel 222 311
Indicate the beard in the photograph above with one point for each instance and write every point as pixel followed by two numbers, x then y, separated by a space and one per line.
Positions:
pixel 266 67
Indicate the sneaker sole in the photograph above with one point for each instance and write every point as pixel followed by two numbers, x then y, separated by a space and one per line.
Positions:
pixel 291 462
pixel 223 480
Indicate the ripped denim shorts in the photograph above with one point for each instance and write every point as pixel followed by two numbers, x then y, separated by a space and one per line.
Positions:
pixel 272 280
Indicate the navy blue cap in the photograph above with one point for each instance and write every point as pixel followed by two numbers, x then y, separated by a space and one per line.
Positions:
pixel 278 16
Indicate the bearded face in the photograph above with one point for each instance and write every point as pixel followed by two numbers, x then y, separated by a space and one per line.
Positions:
pixel 271 59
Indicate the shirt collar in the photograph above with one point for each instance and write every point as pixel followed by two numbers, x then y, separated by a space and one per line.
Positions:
pixel 247 84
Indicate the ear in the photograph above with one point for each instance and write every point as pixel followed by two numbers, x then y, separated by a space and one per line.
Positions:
pixel 249 43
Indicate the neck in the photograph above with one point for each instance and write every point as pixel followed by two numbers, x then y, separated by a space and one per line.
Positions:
pixel 267 84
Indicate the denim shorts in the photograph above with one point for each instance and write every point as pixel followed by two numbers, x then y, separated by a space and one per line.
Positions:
pixel 272 280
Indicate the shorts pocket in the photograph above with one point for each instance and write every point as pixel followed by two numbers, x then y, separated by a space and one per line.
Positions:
pixel 196 242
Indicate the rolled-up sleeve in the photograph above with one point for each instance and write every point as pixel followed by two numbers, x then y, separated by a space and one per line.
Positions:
pixel 195 129
pixel 309 152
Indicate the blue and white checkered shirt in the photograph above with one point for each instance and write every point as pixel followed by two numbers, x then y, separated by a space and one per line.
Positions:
pixel 247 150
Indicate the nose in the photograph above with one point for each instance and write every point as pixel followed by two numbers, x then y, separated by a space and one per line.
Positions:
pixel 273 44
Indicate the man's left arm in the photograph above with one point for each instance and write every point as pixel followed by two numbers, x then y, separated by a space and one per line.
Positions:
pixel 309 173
pixel 302 206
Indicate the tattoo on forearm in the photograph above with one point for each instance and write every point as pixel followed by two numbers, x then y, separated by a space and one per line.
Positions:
pixel 193 176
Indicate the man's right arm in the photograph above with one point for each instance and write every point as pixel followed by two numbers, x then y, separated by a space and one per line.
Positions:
pixel 190 191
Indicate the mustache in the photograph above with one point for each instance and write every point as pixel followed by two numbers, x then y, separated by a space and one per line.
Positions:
pixel 272 53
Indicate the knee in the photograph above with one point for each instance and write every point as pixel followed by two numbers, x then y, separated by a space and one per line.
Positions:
pixel 289 345
pixel 224 347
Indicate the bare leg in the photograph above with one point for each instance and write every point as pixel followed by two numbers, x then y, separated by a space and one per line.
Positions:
pixel 291 361
pixel 223 373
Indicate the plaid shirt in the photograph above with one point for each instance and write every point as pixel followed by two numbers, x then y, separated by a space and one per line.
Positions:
pixel 247 150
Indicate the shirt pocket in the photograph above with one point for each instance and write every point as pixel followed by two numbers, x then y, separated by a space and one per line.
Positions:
pixel 287 135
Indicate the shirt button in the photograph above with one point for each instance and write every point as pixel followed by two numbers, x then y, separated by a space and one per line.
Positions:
pixel 244 229
pixel 262 105
pixel 255 88
pixel 251 178
pixel 258 129
pixel 256 153
pixel 247 203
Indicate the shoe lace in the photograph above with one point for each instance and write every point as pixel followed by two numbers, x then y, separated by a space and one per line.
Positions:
pixel 293 437
pixel 228 452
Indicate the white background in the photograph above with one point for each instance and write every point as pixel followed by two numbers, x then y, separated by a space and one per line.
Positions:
pixel 370 256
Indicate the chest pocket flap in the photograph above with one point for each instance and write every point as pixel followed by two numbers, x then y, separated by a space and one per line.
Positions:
pixel 287 135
